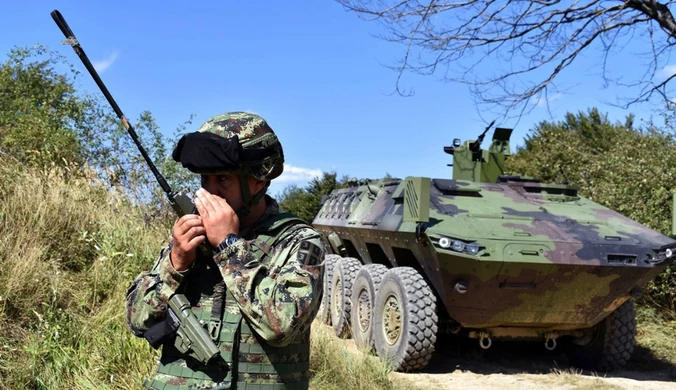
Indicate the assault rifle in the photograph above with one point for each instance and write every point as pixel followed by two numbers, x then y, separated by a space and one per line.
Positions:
pixel 191 337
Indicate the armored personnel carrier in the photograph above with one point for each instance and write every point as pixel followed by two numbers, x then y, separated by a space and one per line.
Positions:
pixel 487 256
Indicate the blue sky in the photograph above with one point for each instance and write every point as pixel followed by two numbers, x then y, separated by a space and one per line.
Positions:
pixel 314 71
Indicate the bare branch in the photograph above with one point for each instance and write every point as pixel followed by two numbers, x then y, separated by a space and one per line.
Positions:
pixel 532 42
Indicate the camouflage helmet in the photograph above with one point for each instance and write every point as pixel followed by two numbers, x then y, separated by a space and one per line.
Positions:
pixel 234 142
pixel 261 154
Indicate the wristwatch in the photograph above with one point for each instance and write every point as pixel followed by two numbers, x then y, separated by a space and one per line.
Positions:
pixel 229 240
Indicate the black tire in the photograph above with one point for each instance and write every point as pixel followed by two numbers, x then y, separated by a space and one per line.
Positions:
pixel 324 314
pixel 344 273
pixel 612 343
pixel 408 343
pixel 364 291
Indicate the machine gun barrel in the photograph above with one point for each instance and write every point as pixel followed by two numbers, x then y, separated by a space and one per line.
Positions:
pixel 476 145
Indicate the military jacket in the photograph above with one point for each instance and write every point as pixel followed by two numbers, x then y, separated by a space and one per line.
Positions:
pixel 275 291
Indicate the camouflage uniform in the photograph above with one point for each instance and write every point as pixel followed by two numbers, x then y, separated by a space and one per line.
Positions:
pixel 266 293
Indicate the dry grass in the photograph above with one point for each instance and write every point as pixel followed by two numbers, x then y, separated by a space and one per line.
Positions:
pixel 573 379
pixel 68 252
pixel 338 365
pixel 656 348
pixel 67 255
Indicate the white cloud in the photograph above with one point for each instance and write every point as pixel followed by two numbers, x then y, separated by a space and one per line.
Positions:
pixel 298 174
pixel 542 101
pixel 104 64
pixel 667 71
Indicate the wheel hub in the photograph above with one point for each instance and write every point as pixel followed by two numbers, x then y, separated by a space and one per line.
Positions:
pixel 364 310
pixel 392 320
pixel 338 296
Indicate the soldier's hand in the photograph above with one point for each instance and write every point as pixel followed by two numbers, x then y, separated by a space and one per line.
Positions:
pixel 188 233
pixel 218 217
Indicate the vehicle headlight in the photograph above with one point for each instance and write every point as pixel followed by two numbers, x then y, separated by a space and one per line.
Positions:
pixel 471 248
pixel 660 255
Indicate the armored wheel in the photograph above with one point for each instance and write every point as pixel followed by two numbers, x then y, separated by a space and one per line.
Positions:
pixel 610 345
pixel 364 291
pixel 344 272
pixel 405 320
pixel 324 313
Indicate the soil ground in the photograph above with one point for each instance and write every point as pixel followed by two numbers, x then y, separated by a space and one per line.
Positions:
pixel 461 363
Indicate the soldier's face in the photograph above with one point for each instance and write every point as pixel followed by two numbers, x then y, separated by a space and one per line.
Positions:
pixel 227 186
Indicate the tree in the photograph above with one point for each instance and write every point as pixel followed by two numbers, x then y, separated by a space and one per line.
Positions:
pixel 39 110
pixel 306 202
pixel 593 128
pixel 46 122
pixel 548 35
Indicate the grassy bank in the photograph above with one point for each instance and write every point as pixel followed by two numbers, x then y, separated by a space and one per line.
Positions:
pixel 67 255
pixel 68 252
pixel 655 348
pixel 338 365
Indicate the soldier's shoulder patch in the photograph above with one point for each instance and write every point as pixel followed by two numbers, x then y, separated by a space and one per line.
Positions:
pixel 309 253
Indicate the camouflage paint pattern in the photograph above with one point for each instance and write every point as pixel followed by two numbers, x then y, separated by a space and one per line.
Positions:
pixel 278 296
pixel 252 132
pixel 548 258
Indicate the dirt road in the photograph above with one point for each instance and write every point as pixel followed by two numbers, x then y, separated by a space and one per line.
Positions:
pixel 461 364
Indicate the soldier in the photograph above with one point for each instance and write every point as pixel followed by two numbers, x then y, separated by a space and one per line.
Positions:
pixel 262 288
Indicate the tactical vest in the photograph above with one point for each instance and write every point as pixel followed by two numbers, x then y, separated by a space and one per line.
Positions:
pixel 248 362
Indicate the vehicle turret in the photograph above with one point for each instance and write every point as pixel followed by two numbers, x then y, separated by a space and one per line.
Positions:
pixel 472 163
